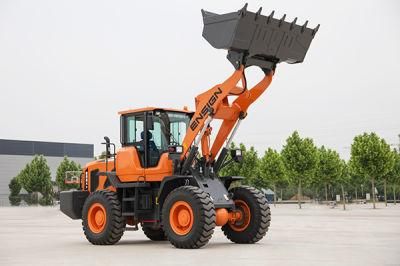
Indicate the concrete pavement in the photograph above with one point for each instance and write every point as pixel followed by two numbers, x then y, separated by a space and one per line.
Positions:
pixel 315 235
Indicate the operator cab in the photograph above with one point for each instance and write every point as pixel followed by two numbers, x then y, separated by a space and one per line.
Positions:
pixel 152 131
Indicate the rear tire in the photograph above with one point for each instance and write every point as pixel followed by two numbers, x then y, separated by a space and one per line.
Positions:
pixel 102 219
pixel 253 227
pixel 188 217
pixel 155 234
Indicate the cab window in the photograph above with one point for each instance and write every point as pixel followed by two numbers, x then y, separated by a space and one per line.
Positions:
pixel 158 143
pixel 178 128
pixel 134 126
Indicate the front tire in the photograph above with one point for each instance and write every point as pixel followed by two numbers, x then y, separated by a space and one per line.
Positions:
pixel 255 216
pixel 188 217
pixel 102 219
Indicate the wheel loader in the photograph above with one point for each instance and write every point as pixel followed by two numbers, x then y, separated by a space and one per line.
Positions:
pixel 166 175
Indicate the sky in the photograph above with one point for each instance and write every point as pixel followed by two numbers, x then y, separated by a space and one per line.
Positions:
pixel 68 67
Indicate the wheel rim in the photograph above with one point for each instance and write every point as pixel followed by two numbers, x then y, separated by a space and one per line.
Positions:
pixel 181 217
pixel 243 216
pixel 97 218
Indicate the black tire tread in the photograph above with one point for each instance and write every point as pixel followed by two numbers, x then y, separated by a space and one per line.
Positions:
pixel 206 226
pixel 117 222
pixel 263 216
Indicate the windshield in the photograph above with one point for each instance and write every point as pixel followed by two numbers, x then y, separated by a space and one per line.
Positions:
pixel 178 125
pixel 169 128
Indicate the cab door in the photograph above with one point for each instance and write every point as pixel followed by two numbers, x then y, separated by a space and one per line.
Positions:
pixel 157 164
pixel 131 158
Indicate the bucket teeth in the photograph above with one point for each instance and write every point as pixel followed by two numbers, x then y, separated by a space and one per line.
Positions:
pixel 315 30
pixel 270 16
pixel 304 26
pixel 282 20
pixel 293 23
pixel 258 13
pixel 242 11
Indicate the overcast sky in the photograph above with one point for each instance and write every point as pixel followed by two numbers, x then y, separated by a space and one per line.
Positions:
pixel 68 67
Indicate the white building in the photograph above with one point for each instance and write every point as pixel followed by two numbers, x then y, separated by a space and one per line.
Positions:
pixel 15 154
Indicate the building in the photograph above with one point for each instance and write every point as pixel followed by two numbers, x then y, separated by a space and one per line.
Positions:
pixel 15 154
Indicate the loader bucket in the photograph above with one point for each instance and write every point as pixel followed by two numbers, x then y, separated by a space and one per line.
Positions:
pixel 255 39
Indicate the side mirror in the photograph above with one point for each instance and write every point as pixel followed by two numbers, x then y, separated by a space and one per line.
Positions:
pixel 237 155
pixel 150 122
pixel 107 143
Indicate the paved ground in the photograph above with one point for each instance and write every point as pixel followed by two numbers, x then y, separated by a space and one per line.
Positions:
pixel 315 235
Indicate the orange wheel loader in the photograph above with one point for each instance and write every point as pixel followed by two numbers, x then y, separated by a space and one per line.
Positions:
pixel 165 176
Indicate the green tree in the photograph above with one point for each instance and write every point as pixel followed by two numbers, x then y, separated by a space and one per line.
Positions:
pixel 272 170
pixel 371 157
pixel 66 165
pixel 315 184
pixel 329 167
pixel 36 177
pixel 101 156
pixel 300 159
pixel 232 169
pixel 393 176
pixel 250 165
pixel 15 189
pixel 343 179
pixel 357 180
pixel 14 186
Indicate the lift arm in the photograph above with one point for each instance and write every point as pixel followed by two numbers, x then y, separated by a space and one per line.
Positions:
pixel 214 104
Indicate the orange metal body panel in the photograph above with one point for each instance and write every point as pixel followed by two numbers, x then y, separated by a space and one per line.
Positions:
pixel 101 165
pixel 216 95
pixel 163 169
pixel 129 169
pixel 128 165
pixel 240 104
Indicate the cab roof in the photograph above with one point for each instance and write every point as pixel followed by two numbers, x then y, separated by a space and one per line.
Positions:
pixel 145 109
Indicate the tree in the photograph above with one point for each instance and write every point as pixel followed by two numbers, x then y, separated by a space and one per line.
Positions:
pixel 101 156
pixel 272 169
pixel 390 175
pixel 343 179
pixel 329 167
pixel 14 186
pixel 371 156
pixel 66 165
pixel 15 189
pixel 393 177
pixel 358 180
pixel 232 169
pixel 36 177
pixel 250 166
pixel 300 159
pixel 315 184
